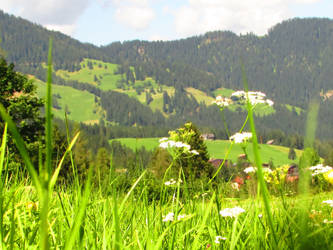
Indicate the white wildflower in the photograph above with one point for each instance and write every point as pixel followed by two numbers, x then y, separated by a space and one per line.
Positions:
pixel 168 217
pixel 181 216
pixel 163 139
pixel 171 182
pixel 254 100
pixel 269 102
pixel 267 170
pixel 257 93
pixel 241 137
pixel 260 216
pixel 328 202
pixel 250 170
pixel 231 212
pixel 320 169
pixel 171 143
pixel 164 144
pixel 194 152
pixel 235 186
pixel 187 147
pixel 326 221
pixel 219 238
pixel 167 144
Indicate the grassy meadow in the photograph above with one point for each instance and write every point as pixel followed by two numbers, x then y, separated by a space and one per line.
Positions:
pixel 104 72
pixel 218 148
pixel 80 105
pixel 132 221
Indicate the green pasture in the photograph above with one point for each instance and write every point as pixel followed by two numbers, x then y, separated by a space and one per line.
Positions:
pixel 223 92
pixel 200 96
pixel 219 148
pixel 80 104
pixel 105 73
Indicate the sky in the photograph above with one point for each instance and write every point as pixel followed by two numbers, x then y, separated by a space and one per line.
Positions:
pixel 102 22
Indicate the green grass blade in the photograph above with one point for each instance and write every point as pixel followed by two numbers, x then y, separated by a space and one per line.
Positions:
pixel 196 244
pixel 117 242
pixel 48 114
pixel 227 153
pixel 56 172
pixel 74 232
pixel 311 123
pixel 2 160
pixel 305 176
pixel 257 159
pixel 3 149
pixel 75 177
pixel 130 191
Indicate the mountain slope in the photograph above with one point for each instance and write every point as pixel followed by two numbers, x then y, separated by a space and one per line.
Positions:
pixel 179 78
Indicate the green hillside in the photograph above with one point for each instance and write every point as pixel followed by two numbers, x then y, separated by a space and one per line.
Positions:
pixel 105 76
pixel 80 105
pixel 101 74
pixel 218 149
pixel 284 64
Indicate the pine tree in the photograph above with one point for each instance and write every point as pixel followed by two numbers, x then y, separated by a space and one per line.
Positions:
pixel 292 154
pixel 197 165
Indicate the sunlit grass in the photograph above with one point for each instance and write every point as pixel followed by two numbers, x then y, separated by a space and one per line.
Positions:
pixel 217 149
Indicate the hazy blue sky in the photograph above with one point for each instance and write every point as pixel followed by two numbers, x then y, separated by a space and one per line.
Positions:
pixel 104 21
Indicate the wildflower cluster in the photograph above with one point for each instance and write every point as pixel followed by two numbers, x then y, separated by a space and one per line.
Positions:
pixel 168 144
pixel 329 202
pixel 219 238
pixel 232 212
pixel 172 182
pixel 320 169
pixel 170 217
pixel 241 137
pixel 277 176
pixel 268 173
pixel 250 169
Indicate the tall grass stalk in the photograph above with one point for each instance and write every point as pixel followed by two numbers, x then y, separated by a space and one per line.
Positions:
pixel 2 160
pixel 263 188
pixel 305 176
pixel 228 152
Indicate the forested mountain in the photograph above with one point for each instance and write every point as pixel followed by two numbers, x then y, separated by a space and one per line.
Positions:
pixel 292 63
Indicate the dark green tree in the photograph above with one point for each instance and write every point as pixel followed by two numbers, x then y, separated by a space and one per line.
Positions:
pixel 197 165
pixel 102 165
pixel 292 154
pixel 18 97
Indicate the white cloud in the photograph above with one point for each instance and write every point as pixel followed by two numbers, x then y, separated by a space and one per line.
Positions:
pixel 135 14
pixel 158 37
pixel 66 29
pixel 59 14
pixel 200 16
